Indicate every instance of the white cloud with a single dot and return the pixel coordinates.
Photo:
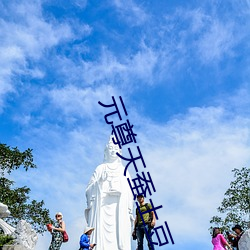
(31, 33)
(198, 33)
(105, 69)
(143, 64)
(240, 101)
(131, 12)
(123, 70)
(198, 19)
(25, 35)
(217, 42)
(80, 3)
(80, 102)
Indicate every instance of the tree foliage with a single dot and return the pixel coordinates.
(13, 158)
(235, 206)
(17, 199)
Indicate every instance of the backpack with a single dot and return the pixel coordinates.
(150, 215)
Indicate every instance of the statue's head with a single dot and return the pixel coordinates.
(4, 212)
(110, 151)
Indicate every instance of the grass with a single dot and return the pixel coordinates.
(6, 240)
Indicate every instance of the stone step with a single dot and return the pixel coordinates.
(12, 247)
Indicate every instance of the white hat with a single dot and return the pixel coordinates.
(88, 229)
(59, 213)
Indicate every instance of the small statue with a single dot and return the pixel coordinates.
(4, 212)
(23, 235)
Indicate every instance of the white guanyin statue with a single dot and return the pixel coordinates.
(244, 242)
(110, 203)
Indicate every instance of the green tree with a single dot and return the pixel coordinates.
(235, 207)
(17, 199)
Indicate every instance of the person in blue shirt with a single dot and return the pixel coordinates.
(84, 240)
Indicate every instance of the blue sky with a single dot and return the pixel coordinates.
(182, 69)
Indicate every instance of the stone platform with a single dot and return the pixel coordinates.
(12, 247)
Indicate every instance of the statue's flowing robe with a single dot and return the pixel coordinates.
(109, 208)
(244, 242)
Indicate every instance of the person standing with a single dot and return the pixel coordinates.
(85, 239)
(56, 231)
(238, 230)
(218, 240)
(139, 228)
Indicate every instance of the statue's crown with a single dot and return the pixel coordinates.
(112, 139)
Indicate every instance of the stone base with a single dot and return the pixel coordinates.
(13, 247)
